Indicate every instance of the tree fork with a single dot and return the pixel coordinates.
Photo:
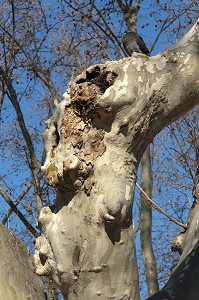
(94, 143)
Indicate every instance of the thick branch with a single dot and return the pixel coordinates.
(130, 13)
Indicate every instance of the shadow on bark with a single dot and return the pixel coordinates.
(17, 277)
(184, 282)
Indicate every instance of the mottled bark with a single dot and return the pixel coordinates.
(17, 277)
(94, 143)
(146, 226)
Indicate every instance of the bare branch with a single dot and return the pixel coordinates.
(158, 208)
(21, 196)
(46, 78)
(109, 33)
(18, 213)
(33, 160)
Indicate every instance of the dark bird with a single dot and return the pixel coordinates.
(132, 42)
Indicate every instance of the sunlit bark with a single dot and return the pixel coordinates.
(94, 143)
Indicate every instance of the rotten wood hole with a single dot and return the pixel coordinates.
(80, 133)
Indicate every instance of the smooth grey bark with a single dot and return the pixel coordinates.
(17, 277)
(146, 226)
(94, 144)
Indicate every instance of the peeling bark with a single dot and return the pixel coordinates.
(94, 143)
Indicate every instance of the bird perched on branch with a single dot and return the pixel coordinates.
(132, 42)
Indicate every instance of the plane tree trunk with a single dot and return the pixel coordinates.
(94, 143)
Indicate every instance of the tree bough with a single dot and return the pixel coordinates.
(94, 143)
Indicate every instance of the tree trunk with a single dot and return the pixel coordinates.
(94, 143)
(146, 226)
(17, 277)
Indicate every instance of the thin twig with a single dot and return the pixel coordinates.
(45, 77)
(158, 208)
(102, 47)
